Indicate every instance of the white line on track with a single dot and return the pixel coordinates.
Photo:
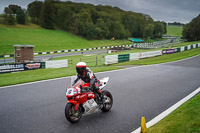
(168, 111)
(96, 73)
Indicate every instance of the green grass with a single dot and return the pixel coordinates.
(174, 31)
(186, 119)
(46, 40)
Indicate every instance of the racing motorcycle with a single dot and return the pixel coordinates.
(81, 100)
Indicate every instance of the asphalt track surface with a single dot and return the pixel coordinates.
(11, 60)
(140, 91)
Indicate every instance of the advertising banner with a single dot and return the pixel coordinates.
(123, 57)
(11, 68)
(169, 51)
(56, 63)
(150, 54)
(111, 59)
(30, 66)
(134, 56)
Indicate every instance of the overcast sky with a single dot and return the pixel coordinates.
(164, 10)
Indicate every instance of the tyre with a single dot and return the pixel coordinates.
(107, 100)
(72, 115)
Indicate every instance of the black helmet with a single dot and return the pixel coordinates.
(80, 68)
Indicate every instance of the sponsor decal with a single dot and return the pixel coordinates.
(169, 51)
(30, 66)
(90, 95)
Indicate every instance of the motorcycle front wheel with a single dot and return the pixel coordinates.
(72, 115)
(107, 100)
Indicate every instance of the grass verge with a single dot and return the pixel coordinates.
(186, 119)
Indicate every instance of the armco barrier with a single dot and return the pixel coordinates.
(150, 54)
(20, 67)
(134, 56)
(111, 59)
(56, 63)
(123, 58)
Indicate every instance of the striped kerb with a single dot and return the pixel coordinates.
(185, 48)
(178, 49)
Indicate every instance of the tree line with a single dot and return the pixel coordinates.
(13, 12)
(176, 24)
(191, 31)
(92, 22)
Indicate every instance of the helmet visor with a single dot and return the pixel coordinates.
(80, 70)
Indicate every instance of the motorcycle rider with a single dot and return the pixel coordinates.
(84, 73)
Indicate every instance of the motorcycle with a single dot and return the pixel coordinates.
(81, 100)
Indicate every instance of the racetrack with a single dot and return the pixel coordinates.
(140, 91)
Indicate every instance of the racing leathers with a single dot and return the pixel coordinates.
(88, 77)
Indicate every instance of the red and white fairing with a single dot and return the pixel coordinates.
(86, 99)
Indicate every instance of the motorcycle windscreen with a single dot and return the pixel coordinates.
(75, 83)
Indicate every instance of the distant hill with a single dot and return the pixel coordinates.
(174, 30)
(46, 40)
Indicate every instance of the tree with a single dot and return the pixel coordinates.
(148, 31)
(8, 16)
(47, 15)
(20, 16)
(15, 8)
(101, 29)
(117, 30)
(34, 10)
(191, 31)
(159, 29)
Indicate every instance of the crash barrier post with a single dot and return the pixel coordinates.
(143, 125)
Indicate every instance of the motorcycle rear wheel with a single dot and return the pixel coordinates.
(72, 115)
(107, 100)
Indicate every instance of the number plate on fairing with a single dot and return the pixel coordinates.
(71, 92)
(90, 106)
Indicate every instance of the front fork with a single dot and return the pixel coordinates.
(76, 104)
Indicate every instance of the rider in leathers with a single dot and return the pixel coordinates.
(87, 76)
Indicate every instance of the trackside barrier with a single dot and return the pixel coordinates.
(6, 68)
(134, 56)
(150, 54)
(56, 63)
(111, 59)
